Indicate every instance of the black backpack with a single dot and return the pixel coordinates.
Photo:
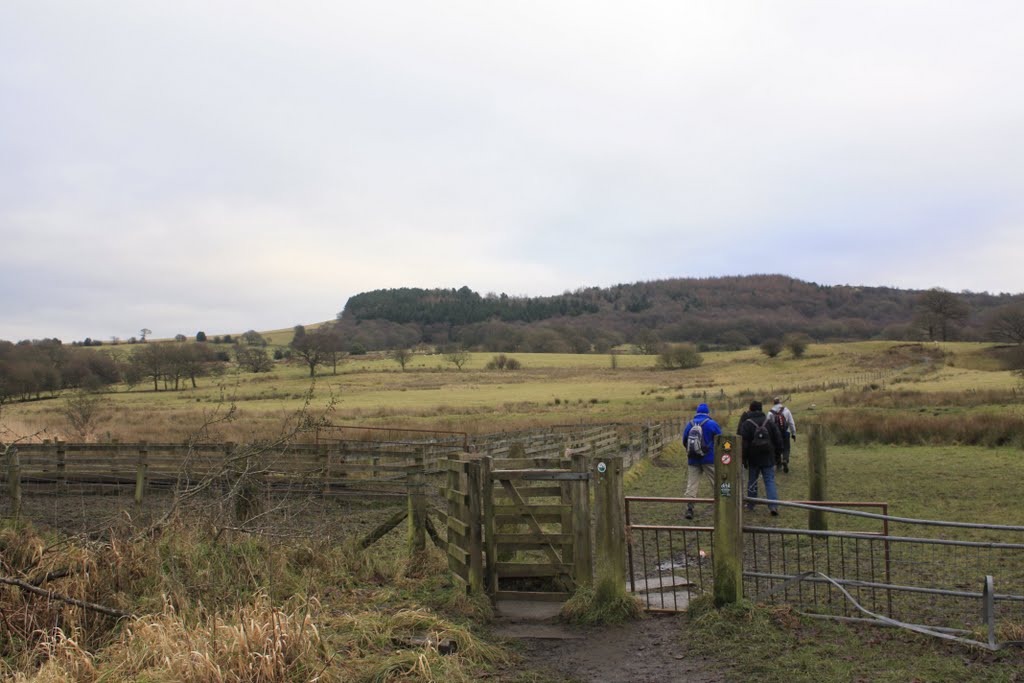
(780, 420)
(695, 446)
(762, 439)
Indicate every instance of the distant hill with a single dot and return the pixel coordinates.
(713, 312)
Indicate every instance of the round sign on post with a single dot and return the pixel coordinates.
(726, 458)
(602, 468)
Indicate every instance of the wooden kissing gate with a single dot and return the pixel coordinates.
(528, 533)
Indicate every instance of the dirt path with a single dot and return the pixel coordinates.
(650, 650)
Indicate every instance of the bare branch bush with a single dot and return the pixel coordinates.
(231, 488)
(81, 409)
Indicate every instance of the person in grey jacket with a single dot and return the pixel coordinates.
(788, 430)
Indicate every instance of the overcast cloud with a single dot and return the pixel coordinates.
(222, 166)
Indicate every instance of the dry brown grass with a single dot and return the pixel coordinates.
(929, 428)
(230, 607)
(256, 642)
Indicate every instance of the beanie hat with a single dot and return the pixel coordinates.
(703, 409)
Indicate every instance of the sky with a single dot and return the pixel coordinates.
(225, 165)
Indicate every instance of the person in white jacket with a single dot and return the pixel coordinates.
(784, 419)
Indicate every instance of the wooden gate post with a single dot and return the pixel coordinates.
(489, 524)
(583, 557)
(727, 560)
(14, 480)
(610, 529)
(817, 468)
(416, 482)
(474, 487)
(62, 475)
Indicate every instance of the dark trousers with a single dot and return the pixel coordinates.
(785, 448)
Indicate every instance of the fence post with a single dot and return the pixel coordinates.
(583, 557)
(14, 480)
(817, 468)
(474, 489)
(490, 526)
(324, 457)
(727, 560)
(610, 529)
(416, 481)
(62, 475)
(140, 474)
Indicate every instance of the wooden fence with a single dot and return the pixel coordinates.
(327, 466)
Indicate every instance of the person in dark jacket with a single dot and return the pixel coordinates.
(700, 465)
(759, 457)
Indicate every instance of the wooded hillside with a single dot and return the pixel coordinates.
(723, 311)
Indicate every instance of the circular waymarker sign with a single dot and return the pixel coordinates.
(726, 458)
(602, 468)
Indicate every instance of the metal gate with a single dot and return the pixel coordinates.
(948, 576)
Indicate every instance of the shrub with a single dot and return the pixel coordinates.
(771, 347)
(679, 356)
(797, 344)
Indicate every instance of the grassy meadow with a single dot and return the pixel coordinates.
(911, 426)
(549, 389)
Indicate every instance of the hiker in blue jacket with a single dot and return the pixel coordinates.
(700, 452)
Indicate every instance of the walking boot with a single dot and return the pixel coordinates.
(689, 512)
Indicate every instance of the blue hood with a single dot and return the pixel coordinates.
(703, 409)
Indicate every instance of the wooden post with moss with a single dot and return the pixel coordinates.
(817, 468)
(583, 551)
(474, 487)
(140, 473)
(727, 560)
(416, 481)
(14, 480)
(488, 523)
(610, 531)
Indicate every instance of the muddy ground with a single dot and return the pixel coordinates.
(650, 650)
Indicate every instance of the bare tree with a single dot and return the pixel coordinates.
(648, 342)
(81, 409)
(150, 361)
(1007, 323)
(401, 356)
(458, 358)
(938, 310)
(335, 349)
(253, 358)
(143, 333)
(309, 348)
